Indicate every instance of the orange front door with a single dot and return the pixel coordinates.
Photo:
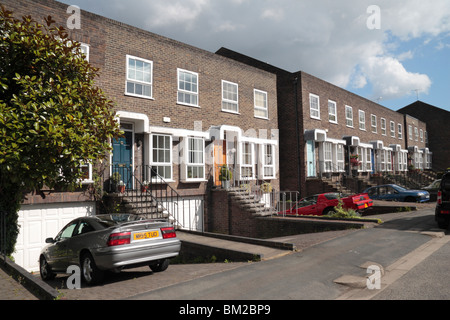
(220, 158)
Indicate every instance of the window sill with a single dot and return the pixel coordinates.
(193, 180)
(138, 96)
(188, 105)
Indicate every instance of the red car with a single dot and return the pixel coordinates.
(322, 204)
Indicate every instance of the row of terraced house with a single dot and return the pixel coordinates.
(197, 121)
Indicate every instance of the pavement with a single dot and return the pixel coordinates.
(18, 284)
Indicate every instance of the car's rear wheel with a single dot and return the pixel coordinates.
(91, 274)
(45, 270)
(160, 265)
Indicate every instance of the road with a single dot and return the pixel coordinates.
(406, 247)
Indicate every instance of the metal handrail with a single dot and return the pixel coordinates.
(153, 194)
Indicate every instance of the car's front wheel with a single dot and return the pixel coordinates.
(45, 270)
(159, 265)
(90, 272)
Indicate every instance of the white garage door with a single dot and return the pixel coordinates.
(38, 222)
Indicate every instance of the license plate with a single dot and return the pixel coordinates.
(146, 235)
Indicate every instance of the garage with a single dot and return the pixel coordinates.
(40, 221)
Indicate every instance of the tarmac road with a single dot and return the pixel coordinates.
(311, 274)
(308, 274)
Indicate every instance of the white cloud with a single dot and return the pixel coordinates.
(391, 80)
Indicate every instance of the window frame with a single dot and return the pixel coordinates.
(264, 108)
(244, 164)
(139, 82)
(383, 127)
(155, 163)
(314, 110)
(330, 114)
(266, 165)
(362, 124)
(191, 165)
(347, 119)
(400, 131)
(184, 91)
(228, 101)
(374, 128)
(392, 128)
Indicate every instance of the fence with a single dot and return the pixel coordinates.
(272, 201)
(146, 193)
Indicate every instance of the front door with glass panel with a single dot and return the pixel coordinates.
(122, 159)
(310, 158)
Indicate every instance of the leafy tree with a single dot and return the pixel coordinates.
(52, 115)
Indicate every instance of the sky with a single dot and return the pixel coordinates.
(390, 52)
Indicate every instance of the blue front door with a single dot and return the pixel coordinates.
(122, 159)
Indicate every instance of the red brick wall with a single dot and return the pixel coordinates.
(110, 41)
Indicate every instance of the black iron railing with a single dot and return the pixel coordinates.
(141, 190)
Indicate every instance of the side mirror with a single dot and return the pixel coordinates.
(49, 240)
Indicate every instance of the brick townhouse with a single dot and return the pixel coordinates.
(330, 134)
(437, 137)
(185, 112)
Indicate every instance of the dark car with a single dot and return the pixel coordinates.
(442, 213)
(433, 189)
(109, 242)
(393, 192)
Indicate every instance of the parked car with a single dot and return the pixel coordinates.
(393, 192)
(433, 189)
(109, 242)
(442, 213)
(322, 204)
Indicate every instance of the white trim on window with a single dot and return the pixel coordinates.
(139, 77)
(84, 48)
(332, 111)
(349, 116)
(261, 108)
(267, 161)
(247, 161)
(314, 106)
(392, 127)
(193, 166)
(161, 155)
(230, 97)
(373, 123)
(187, 88)
(86, 168)
(383, 127)
(400, 131)
(362, 120)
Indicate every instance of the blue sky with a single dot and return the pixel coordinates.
(404, 53)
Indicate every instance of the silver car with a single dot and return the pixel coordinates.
(109, 242)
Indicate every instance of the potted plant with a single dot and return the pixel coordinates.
(144, 186)
(121, 186)
(354, 160)
(225, 177)
(266, 187)
(115, 180)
